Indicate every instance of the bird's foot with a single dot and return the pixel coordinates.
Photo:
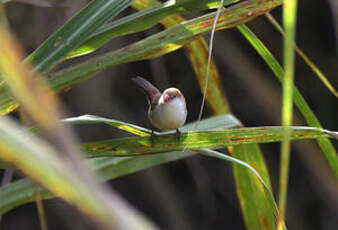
(153, 137)
(178, 135)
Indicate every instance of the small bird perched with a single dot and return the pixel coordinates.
(167, 111)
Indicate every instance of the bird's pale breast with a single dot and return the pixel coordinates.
(168, 116)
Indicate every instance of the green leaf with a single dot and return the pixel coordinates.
(300, 102)
(74, 32)
(134, 146)
(141, 21)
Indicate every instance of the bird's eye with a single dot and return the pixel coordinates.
(173, 96)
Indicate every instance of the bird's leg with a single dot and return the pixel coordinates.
(178, 135)
(152, 137)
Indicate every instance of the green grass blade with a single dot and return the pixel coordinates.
(135, 146)
(74, 32)
(45, 165)
(141, 21)
(310, 118)
(289, 19)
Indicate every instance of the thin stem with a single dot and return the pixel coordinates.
(289, 20)
(209, 61)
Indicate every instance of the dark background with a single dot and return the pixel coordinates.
(199, 193)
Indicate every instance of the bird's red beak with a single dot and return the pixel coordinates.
(166, 98)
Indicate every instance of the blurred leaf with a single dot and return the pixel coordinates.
(41, 162)
(41, 3)
(134, 146)
(310, 118)
(21, 80)
(141, 21)
(154, 46)
(22, 191)
(74, 32)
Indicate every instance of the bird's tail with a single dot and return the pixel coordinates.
(150, 91)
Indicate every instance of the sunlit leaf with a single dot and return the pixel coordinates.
(133, 146)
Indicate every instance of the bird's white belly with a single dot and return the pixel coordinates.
(168, 116)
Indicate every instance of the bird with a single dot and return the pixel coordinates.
(167, 110)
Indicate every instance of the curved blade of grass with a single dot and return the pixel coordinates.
(306, 59)
(74, 32)
(266, 187)
(135, 146)
(141, 21)
(90, 119)
(22, 191)
(154, 46)
(310, 118)
(289, 21)
(41, 162)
